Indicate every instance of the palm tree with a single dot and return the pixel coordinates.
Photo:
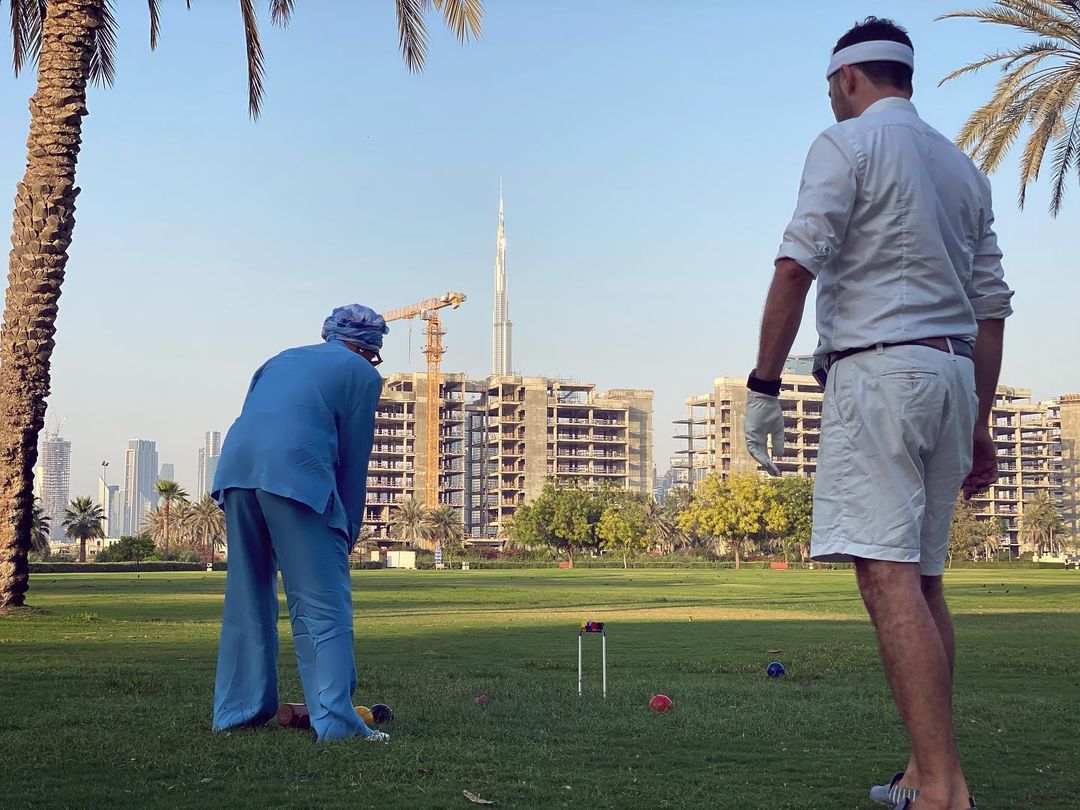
(170, 492)
(207, 521)
(444, 527)
(153, 525)
(1039, 89)
(73, 43)
(1039, 522)
(39, 532)
(410, 521)
(82, 522)
(662, 527)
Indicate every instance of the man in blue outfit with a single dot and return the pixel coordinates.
(292, 480)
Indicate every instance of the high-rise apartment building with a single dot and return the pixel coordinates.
(53, 481)
(538, 430)
(1028, 439)
(1069, 416)
(207, 464)
(501, 440)
(712, 431)
(108, 499)
(1037, 443)
(140, 475)
(397, 470)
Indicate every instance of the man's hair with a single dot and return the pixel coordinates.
(896, 74)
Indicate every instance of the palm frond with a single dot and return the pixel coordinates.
(985, 119)
(254, 57)
(463, 17)
(155, 21)
(103, 55)
(27, 17)
(281, 12)
(1066, 153)
(1031, 160)
(1041, 25)
(412, 33)
(1044, 46)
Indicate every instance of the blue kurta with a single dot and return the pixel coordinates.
(292, 481)
(306, 432)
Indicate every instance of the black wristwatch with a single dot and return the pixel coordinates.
(770, 388)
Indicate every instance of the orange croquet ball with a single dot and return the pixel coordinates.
(366, 715)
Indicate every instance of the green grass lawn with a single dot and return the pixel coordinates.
(106, 692)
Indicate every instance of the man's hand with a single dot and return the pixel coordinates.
(984, 463)
(764, 418)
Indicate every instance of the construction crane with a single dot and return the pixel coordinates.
(433, 350)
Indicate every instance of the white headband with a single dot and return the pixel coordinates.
(878, 50)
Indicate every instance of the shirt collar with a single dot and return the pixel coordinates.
(892, 103)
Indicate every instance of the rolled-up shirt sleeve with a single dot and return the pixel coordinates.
(826, 198)
(987, 291)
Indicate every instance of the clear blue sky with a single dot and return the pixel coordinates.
(650, 154)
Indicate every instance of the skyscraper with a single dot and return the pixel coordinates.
(501, 327)
(168, 472)
(109, 500)
(208, 459)
(53, 480)
(140, 475)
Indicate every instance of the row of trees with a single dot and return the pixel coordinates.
(740, 517)
(195, 528)
(744, 515)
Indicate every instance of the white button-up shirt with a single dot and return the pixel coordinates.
(895, 223)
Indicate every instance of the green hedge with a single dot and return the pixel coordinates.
(117, 568)
(427, 564)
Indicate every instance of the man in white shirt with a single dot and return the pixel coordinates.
(895, 224)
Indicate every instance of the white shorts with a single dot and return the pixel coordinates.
(895, 449)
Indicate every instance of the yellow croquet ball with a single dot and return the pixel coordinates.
(366, 715)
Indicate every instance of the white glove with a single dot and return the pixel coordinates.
(764, 418)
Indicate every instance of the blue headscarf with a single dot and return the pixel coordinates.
(356, 324)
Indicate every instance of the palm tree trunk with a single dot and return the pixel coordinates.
(165, 533)
(82, 549)
(41, 234)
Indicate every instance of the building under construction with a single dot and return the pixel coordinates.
(1037, 445)
(527, 431)
(500, 441)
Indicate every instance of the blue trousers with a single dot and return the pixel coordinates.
(266, 532)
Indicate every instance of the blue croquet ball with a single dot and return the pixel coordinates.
(382, 713)
(775, 670)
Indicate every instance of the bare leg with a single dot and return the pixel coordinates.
(920, 674)
(934, 594)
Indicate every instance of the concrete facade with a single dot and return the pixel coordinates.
(540, 430)
(501, 440)
(1027, 435)
(1069, 414)
(396, 471)
(1038, 445)
(713, 429)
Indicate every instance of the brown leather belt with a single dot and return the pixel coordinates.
(961, 348)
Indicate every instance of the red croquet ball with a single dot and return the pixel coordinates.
(481, 699)
(661, 703)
